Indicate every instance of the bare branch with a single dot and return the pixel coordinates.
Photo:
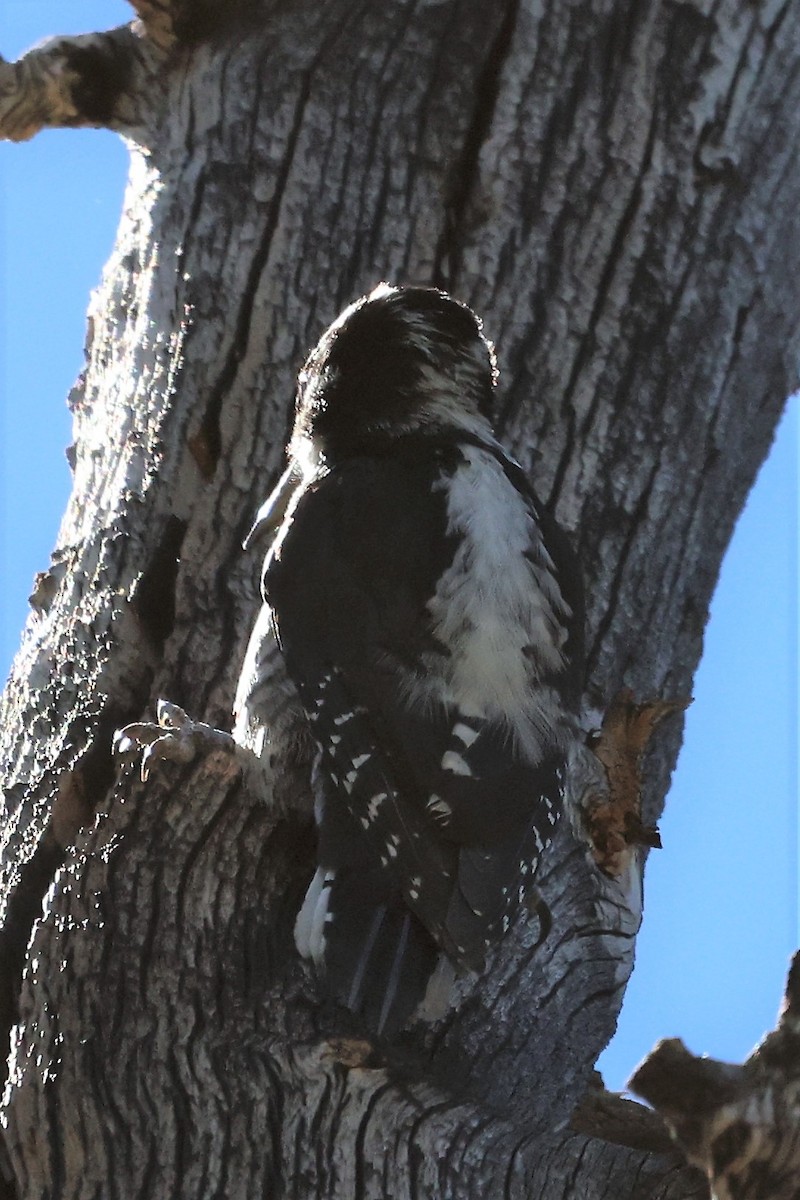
(740, 1124)
(104, 80)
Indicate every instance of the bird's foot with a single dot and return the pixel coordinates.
(175, 738)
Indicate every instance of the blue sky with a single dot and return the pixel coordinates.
(721, 916)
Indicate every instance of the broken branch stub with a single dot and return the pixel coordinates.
(613, 819)
(739, 1124)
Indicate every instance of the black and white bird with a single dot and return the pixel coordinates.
(428, 613)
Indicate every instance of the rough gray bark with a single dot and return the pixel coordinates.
(613, 186)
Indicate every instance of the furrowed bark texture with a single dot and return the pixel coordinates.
(613, 186)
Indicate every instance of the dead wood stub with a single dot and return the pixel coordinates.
(614, 820)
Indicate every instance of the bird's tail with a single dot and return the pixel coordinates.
(377, 957)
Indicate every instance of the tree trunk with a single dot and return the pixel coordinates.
(613, 187)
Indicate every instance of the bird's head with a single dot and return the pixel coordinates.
(397, 361)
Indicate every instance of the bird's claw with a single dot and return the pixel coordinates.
(174, 738)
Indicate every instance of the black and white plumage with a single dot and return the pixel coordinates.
(429, 617)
